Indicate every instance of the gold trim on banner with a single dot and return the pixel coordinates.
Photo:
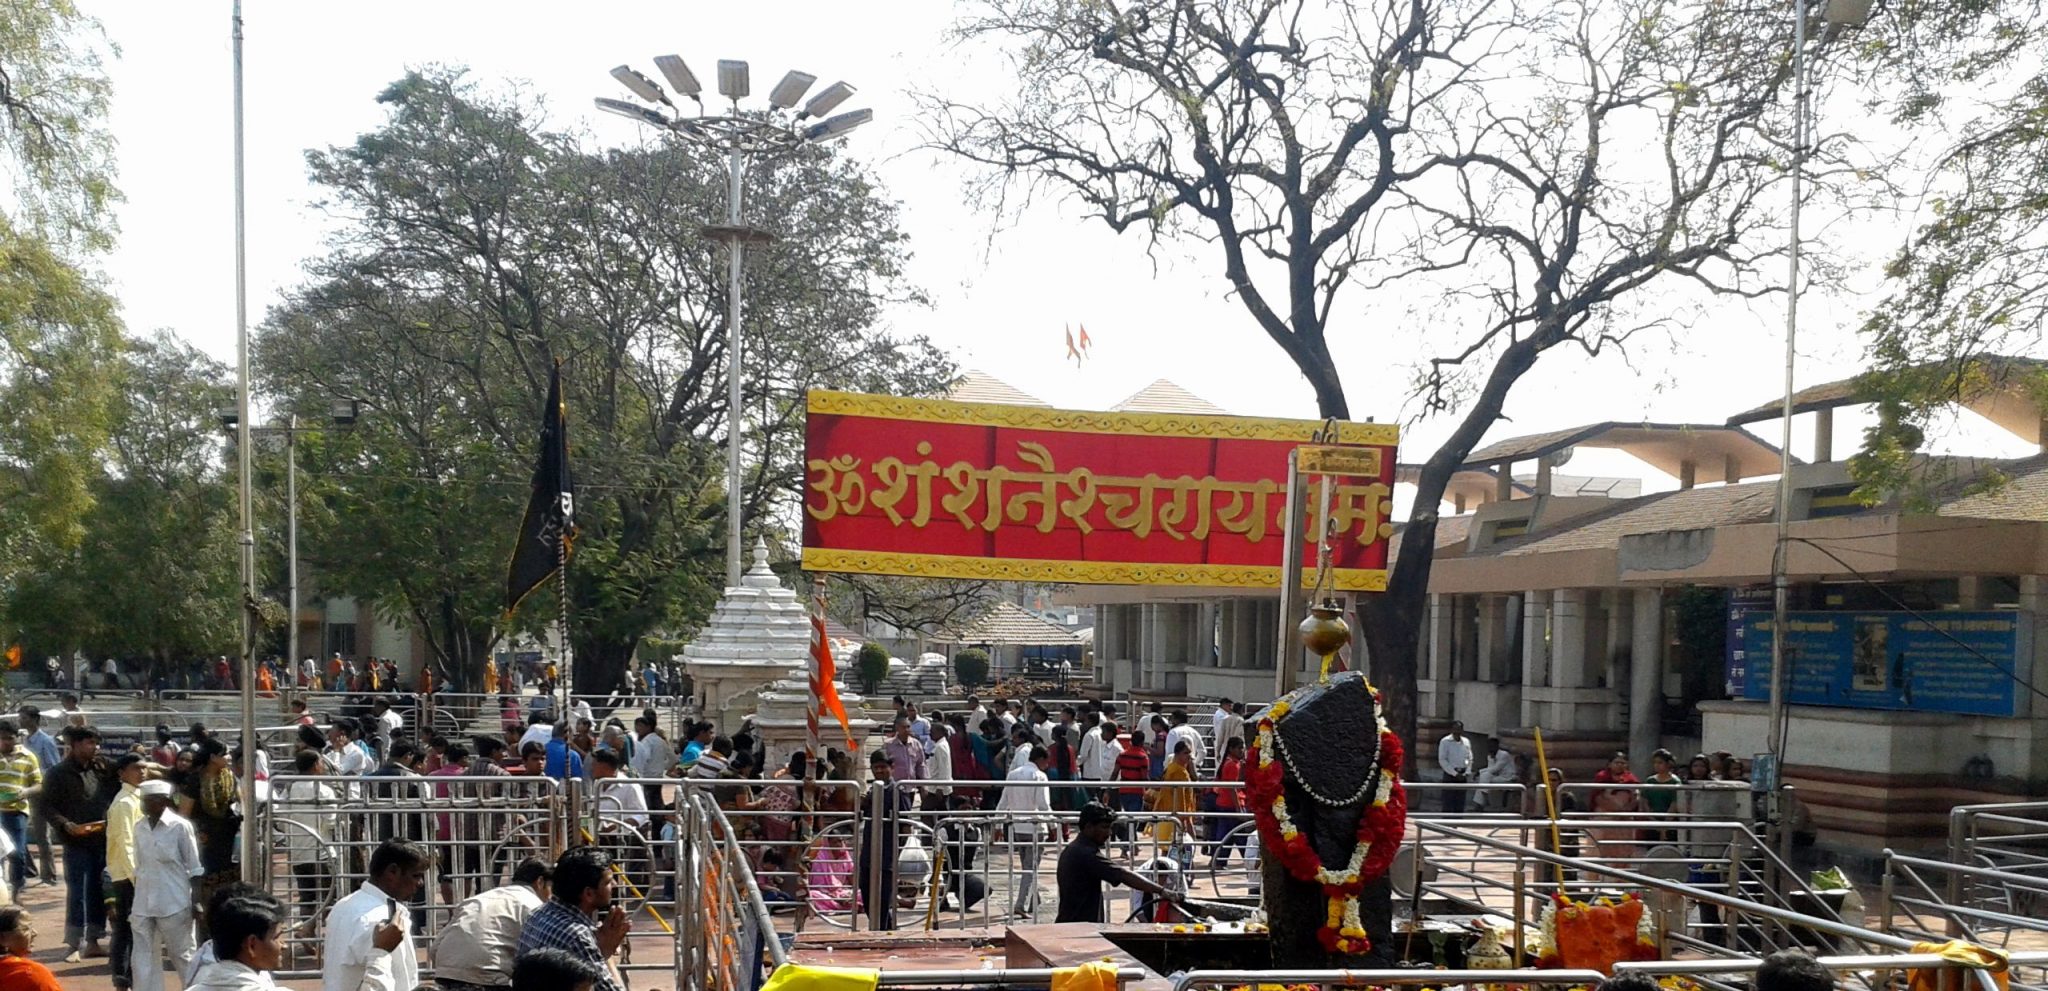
(1074, 572)
(1362, 462)
(1081, 421)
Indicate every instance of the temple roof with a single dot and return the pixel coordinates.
(1165, 397)
(976, 386)
(1010, 623)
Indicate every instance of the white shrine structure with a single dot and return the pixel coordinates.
(752, 658)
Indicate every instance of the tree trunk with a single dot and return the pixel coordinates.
(1393, 644)
(600, 663)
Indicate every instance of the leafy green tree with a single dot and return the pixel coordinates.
(477, 247)
(1969, 288)
(1545, 176)
(153, 576)
(58, 331)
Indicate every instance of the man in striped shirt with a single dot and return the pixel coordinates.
(21, 776)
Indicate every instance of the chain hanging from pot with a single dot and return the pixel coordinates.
(1324, 632)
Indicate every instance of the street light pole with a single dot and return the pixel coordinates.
(739, 134)
(291, 529)
(734, 272)
(252, 849)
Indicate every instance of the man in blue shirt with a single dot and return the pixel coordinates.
(563, 761)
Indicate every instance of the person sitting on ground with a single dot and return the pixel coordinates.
(555, 970)
(1792, 970)
(250, 929)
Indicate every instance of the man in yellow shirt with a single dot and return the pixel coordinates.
(121, 819)
(21, 777)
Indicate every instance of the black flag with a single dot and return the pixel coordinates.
(549, 525)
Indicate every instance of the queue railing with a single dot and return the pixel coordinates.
(322, 831)
(1864, 969)
(723, 941)
(1995, 908)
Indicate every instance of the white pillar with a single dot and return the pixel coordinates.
(1568, 638)
(1616, 647)
(1646, 674)
(1535, 638)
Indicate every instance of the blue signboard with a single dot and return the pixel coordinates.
(1741, 603)
(1946, 662)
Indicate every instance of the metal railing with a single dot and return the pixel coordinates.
(1704, 972)
(1993, 908)
(721, 941)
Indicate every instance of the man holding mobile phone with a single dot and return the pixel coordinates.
(369, 933)
(76, 796)
(579, 917)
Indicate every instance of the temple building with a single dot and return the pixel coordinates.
(1617, 620)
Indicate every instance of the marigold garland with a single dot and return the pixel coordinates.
(1379, 828)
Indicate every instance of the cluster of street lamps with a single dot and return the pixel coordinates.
(784, 127)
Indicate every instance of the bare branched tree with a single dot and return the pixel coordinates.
(1533, 167)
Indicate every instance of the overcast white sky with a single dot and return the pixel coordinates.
(313, 71)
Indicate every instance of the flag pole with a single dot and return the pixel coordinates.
(812, 703)
(562, 625)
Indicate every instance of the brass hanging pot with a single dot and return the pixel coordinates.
(1324, 632)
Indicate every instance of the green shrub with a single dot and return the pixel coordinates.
(970, 667)
(873, 666)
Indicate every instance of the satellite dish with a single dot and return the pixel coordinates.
(1559, 459)
(1401, 874)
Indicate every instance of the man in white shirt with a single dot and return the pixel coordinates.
(388, 723)
(1096, 760)
(166, 861)
(1009, 715)
(580, 709)
(477, 949)
(1029, 815)
(1232, 725)
(344, 753)
(617, 801)
(1182, 731)
(1454, 756)
(1500, 770)
(309, 835)
(938, 767)
(538, 730)
(252, 945)
(369, 933)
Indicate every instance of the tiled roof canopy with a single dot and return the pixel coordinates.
(1009, 623)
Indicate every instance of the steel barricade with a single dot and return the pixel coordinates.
(720, 942)
(1698, 970)
(324, 828)
(1997, 905)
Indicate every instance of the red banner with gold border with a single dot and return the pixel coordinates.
(938, 489)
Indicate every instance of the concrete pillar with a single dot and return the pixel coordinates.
(1492, 634)
(1535, 638)
(1543, 475)
(1105, 633)
(1688, 474)
(1824, 436)
(1208, 651)
(1646, 674)
(1504, 482)
(1458, 503)
(1617, 649)
(1970, 592)
(1568, 638)
(1731, 469)
(1440, 633)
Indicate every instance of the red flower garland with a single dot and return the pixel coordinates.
(1381, 825)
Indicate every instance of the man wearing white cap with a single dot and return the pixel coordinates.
(166, 861)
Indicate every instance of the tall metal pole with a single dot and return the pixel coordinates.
(733, 272)
(1780, 580)
(252, 851)
(291, 527)
(1288, 652)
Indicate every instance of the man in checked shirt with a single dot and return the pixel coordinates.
(580, 918)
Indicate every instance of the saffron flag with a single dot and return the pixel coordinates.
(1071, 351)
(547, 532)
(1085, 342)
(14, 657)
(825, 677)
